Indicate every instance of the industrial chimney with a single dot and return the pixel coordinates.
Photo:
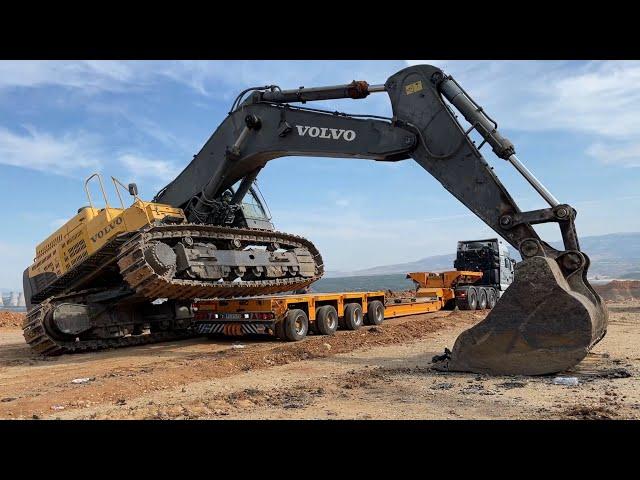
(13, 299)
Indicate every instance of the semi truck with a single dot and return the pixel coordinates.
(491, 257)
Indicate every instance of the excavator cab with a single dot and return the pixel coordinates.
(255, 211)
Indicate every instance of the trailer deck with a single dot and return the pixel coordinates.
(263, 314)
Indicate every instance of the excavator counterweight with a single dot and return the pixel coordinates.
(545, 322)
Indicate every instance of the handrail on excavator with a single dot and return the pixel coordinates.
(133, 192)
(104, 194)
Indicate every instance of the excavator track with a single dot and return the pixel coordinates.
(141, 276)
(148, 285)
(42, 342)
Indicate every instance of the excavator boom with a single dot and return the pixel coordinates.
(550, 316)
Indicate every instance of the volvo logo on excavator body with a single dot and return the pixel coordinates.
(329, 133)
(112, 226)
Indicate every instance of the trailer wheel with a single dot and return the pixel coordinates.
(470, 302)
(353, 317)
(492, 299)
(482, 299)
(295, 325)
(326, 320)
(375, 312)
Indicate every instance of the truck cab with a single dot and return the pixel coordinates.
(489, 256)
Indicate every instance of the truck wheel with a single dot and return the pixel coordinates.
(326, 320)
(492, 299)
(482, 299)
(295, 325)
(352, 316)
(375, 312)
(470, 302)
(449, 304)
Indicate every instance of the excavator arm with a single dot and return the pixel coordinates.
(550, 316)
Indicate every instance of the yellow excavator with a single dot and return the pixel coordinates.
(122, 276)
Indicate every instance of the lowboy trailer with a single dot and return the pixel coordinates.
(291, 317)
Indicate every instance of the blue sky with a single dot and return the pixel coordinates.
(574, 124)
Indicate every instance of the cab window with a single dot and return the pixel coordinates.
(252, 208)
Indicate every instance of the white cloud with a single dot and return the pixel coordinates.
(204, 77)
(219, 80)
(626, 155)
(599, 98)
(144, 167)
(63, 155)
(352, 238)
(76, 155)
(140, 123)
(90, 76)
(602, 98)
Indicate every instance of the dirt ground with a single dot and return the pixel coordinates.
(374, 373)
(10, 319)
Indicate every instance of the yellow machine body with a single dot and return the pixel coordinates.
(90, 230)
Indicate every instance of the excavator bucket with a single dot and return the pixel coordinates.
(544, 323)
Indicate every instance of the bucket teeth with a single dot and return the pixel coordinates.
(540, 326)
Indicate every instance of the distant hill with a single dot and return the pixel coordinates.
(616, 255)
(436, 262)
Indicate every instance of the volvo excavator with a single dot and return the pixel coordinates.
(122, 276)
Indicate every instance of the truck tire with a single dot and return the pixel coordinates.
(353, 317)
(450, 304)
(492, 299)
(482, 299)
(326, 320)
(375, 313)
(295, 325)
(470, 302)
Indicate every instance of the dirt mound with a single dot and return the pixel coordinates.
(400, 294)
(11, 319)
(617, 290)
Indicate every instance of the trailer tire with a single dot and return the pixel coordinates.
(470, 302)
(326, 320)
(353, 317)
(375, 313)
(492, 299)
(295, 325)
(482, 299)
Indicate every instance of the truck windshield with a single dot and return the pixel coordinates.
(474, 246)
